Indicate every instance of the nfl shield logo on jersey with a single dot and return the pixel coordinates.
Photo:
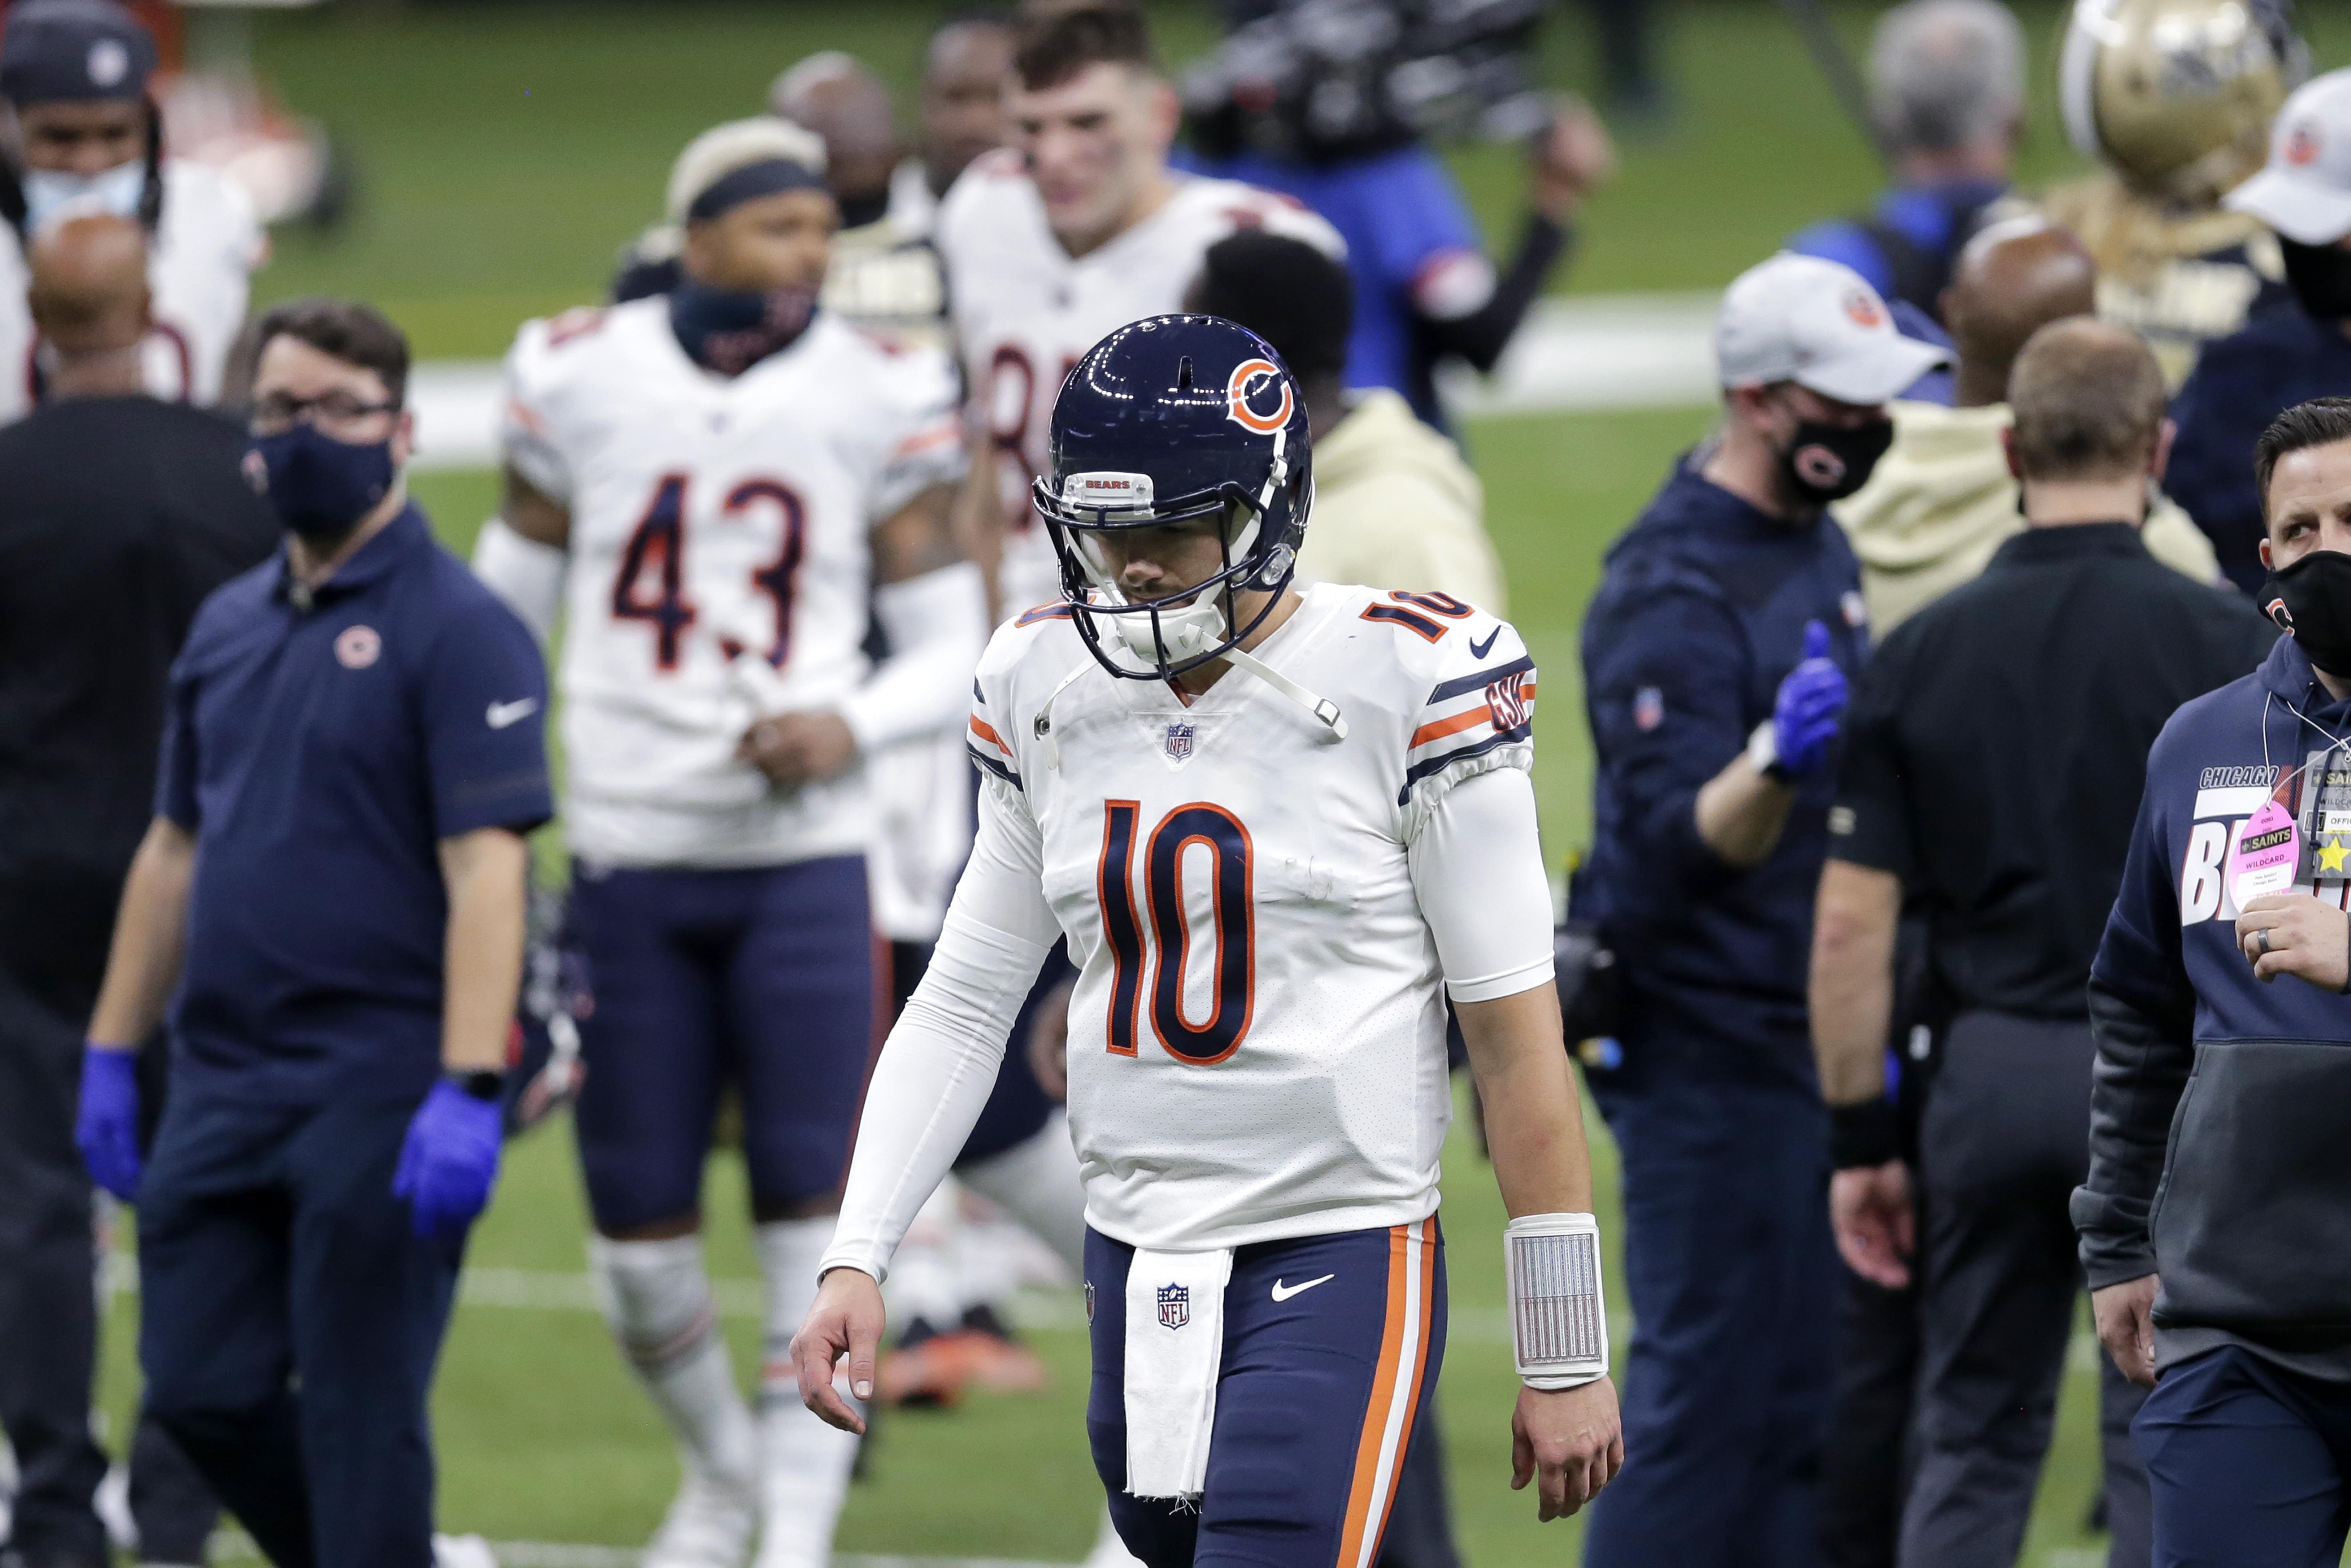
(1175, 1306)
(1179, 741)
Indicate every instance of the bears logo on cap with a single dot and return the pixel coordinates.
(1863, 308)
(1247, 389)
(2301, 145)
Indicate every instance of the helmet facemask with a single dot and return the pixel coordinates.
(1159, 638)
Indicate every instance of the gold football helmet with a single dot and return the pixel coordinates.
(2176, 96)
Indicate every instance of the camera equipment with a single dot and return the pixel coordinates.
(1323, 81)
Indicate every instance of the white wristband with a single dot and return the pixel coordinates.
(1558, 1321)
(1764, 746)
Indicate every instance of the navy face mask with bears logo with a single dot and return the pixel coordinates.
(318, 487)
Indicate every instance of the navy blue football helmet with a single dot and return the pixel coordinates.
(1168, 420)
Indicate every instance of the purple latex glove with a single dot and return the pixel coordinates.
(1810, 705)
(105, 1129)
(449, 1161)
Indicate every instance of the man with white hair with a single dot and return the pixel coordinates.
(734, 484)
(1947, 103)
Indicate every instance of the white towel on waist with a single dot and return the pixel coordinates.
(1174, 1348)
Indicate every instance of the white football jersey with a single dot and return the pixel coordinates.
(1256, 1039)
(720, 565)
(1026, 311)
(198, 270)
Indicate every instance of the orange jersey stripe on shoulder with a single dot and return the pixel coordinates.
(1469, 718)
(988, 734)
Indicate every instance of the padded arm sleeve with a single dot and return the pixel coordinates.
(937, 625)
(1478, 868)
(939, 1065)
(525, 573)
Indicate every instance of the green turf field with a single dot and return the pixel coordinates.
(504, 154)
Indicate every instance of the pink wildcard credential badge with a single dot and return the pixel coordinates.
(2267, 851)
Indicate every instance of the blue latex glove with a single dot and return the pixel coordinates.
(449, 1160)
(105, 1129)
(1811, 704)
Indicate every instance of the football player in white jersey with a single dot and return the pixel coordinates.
(1075, 227)
(1270, 826)
(735, 475)
(75, 75)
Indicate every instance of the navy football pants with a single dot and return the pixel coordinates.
(762, 978)
(1733, 1277)
(2248, 1463)
(288, 1322)
(1317, 1398)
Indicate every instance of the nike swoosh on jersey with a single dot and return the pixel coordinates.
(1479, 650)
(1283, 1292)
(501, 714)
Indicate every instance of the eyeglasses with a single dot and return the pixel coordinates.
(333, 411)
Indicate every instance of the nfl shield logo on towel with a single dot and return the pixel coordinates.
(1179, 741)
(1175, 1306)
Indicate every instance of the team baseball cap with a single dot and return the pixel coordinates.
(74, 50)
(2304, 190)
(1819, 324)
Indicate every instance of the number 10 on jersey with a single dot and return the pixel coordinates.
(1195, 839)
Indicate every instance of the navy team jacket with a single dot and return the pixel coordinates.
(2216, 1149)
(1700, 616)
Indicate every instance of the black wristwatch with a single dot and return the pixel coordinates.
(481, 1082)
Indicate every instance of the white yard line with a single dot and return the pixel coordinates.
(236, 1546)
(1580, 352)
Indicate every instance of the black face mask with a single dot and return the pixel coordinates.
(1827, 463)
(729, 330)
(2311, 599)
(2320, 277)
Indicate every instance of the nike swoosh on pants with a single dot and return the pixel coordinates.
(1283, 1292)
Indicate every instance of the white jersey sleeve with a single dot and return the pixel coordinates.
(923, 445)
(207, 249)
(1478, 715)
(1469, 803)
(528, 431)
(1477, 868)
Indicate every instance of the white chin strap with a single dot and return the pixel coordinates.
(1193, 630)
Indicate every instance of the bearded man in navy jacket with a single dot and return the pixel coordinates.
(2216, 1222)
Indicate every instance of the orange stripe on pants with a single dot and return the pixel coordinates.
(1404, 1360)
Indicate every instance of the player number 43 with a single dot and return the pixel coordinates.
(651, 583)
(1149, 961)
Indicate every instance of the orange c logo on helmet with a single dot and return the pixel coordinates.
(1248, 382)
